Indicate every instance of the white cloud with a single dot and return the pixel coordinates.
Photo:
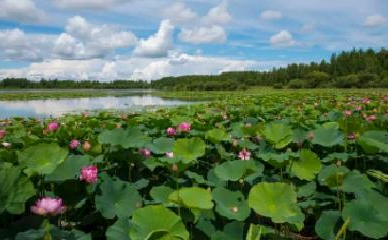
(179, 14)
(374, 21)
(175, 64)
(213, 34)
(200, 29)
(88, 4)
(15, 44)
(282, 39)
(307, 28)
(83, 40)
(157, 45)
(271, 15)
(23, 11)
(218, 15)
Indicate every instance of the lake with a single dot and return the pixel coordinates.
(57, 107)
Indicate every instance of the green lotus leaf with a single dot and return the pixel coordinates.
(278, 134)
(326, 223)
(231, 204)
(332, 176)
(327, 136)
(189, 149)
(131, 137)
(374, 141)
(307, 166)
(193, 197)
(42, 158)
(232, 231)
(162, 145)
(356, 181)
(157, 223)
(117, 198)
(15, 190)
(69, 169)
(160, 194)
(365, 218)
(217, 135)
(275, 200)
(119, 230)
(236, 170)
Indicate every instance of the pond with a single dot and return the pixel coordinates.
(58, 107)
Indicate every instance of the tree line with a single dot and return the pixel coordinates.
(348, 69)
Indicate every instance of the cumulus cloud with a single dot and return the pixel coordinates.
(23, 11)
(200, 29)
(213, 34)
(175, 64)
(88, 4)
(157, 45)
(282, 39)
(15, 44)
(374, 21)
(179, 14)
(271, 15)
(218, 15)
(84, 40)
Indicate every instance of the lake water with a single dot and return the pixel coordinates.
(58, 107)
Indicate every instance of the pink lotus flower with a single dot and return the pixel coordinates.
(48, 206)
(385, 98)
(171, 131)
(351, 136)
(145, 152)
(358, 108)
(2, 133)
(348, 113)
(52, 126)
(89, 174)
(184, 127)
(366, 101)
(371, 118)
(244, 155)
(169, 154)
(74, 144)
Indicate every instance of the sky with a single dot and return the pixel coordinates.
(149, 39)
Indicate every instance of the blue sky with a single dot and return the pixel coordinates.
(149, 39)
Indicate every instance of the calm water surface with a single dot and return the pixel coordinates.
(58, 107)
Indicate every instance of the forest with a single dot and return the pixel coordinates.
(348, 69)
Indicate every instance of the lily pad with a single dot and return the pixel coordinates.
(307, 166)
(157, 223)
(231, 204)
(193, 197)
(189, 149)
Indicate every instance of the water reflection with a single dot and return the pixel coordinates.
(57, 107)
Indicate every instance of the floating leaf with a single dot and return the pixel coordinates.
(119, 230)
(275, 200)
(189, 149)
(231, 204)
(131, 137)
(15, 189)
(42, 158)
(217, 135)
(69, 169)
(327, 136)
(307, 166)
(193, 197)
(278, 134)
(157, 223)
(325, 225)
(235, 170)
(162, 145)
(117, 198)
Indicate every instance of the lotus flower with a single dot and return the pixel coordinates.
(74, 144)
(169, 154)
(48, 206)
(89, 174)
(348, 113)
(2, 133)
(244, 155)
(371, 118)
(145, 152)
(86, 146)
(184, 127)
(52, 126)
(171, 131)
